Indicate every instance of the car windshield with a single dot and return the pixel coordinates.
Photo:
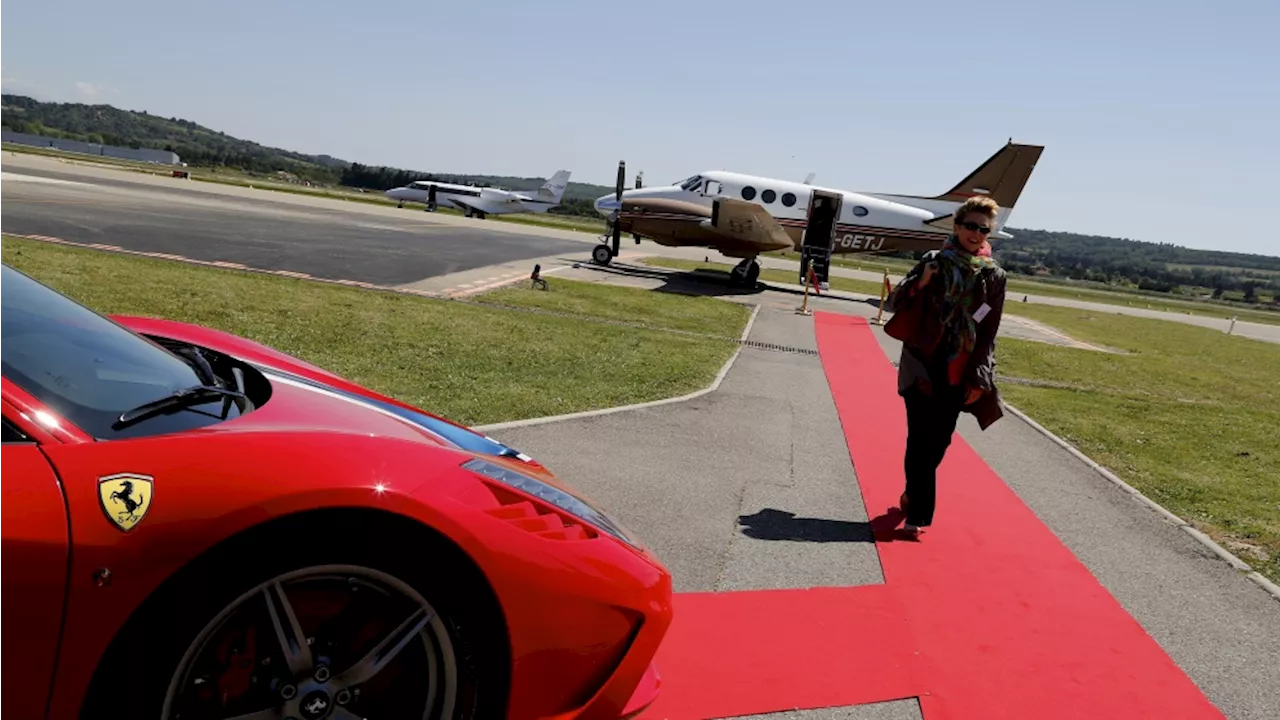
(80, 364)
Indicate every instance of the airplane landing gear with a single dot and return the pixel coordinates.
(745, 273)
(602, 255)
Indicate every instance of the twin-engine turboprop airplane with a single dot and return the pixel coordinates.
(743, 216)
(479, 202)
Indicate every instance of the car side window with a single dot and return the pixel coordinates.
(12, 434)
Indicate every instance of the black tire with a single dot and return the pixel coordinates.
(147, 651)
(753, 273)
(602, 254)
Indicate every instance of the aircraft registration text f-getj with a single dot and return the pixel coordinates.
(743, 216)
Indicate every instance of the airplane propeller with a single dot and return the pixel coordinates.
(607, 250)
(617, 228)
(639, 184)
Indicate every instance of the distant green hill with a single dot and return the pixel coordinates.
(1160, 267)
(202, 147)
(1157, 267)
(196, 145)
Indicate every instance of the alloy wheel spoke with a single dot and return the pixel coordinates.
(289, 633)
(384, 652)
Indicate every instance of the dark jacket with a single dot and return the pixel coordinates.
(980, 370)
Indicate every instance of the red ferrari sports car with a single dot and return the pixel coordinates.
(198, 526)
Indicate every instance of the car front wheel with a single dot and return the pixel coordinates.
(358, 636)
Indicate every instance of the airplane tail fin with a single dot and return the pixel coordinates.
(554, 188)
(1002, 177)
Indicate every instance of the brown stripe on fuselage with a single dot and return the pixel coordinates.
(674, 229)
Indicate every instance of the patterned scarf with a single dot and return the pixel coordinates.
(960, 270)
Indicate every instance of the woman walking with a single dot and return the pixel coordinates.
(951, 303)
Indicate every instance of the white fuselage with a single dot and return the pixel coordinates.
(466, 197)
(863, 222)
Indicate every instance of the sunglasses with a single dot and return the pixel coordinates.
(975, 227)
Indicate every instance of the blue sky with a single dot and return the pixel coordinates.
(1159, 119)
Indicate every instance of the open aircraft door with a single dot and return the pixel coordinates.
(820, 236)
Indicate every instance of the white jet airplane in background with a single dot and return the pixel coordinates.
(479, 202)
(744, 216)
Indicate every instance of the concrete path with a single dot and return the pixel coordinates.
(745, 488)
(751, 487)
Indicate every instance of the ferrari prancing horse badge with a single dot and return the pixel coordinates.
(125, 498)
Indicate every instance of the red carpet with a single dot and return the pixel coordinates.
(1013, 625)
(987, 616)
(740, 653)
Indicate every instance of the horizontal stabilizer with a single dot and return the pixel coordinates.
(942, 222)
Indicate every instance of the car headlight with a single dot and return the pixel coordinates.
(547, 493)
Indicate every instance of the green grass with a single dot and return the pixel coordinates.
(1186, 415)
(866, 287)
(471, 363)
(704, 315)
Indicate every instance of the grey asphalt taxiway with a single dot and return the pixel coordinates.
(380, 245)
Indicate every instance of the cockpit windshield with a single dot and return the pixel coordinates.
(692, 183)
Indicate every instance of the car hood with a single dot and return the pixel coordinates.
(307, 397)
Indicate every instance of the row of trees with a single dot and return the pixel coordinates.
(196, 145)
(1161, 267)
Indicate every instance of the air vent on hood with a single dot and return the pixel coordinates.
(542, 521)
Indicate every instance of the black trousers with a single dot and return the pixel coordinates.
(931, 420)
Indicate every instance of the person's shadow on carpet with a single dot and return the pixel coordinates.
(884, 528)
(770, 524)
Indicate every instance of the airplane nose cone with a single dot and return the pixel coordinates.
(607, 204)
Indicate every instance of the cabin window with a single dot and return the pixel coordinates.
(713, 188)
(859, 210)
(768, 196)
(788, 199)
(748, 193)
